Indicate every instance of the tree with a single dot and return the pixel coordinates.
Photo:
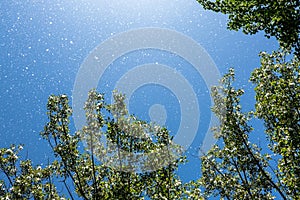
(87, 172)
(280, 19)
(24, 181)
(278, 104)
(236, 168)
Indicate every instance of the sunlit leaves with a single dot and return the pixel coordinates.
(278, 104)
(90, 175)
(280, 19)
(22, 180)
(235, 169)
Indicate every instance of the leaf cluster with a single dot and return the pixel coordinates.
(104, 169)
(236, 168)
(280, 19)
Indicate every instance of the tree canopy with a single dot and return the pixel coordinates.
(234, 168)
(280, 19)
(86, 173)
(237, 168)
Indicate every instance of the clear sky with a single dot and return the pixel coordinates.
(44, 43)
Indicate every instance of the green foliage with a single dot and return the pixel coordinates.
(236, 169)
(278, 104)
(277, 18)
(99, 172)
(139, 160)
(23, 180)
(114, 177)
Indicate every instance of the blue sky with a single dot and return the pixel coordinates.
(44, 43)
